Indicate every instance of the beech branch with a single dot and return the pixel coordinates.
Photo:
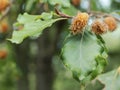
(96, 14)
(62, 14)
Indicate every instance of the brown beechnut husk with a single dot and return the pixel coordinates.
(99, 27)
(111, 22)
(4, 4)
(79, 22)
(76, 2)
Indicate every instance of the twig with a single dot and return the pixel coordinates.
(82, 87)
(101, 14)
(96, 14)
(62, 14)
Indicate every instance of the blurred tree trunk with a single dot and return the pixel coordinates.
(22, 50)
(22, 57)
(47, 48)
(44, 71)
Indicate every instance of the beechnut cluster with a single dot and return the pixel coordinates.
(98, 26)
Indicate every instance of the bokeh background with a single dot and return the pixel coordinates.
(35, 64)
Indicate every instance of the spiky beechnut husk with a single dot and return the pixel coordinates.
(111, 22)
(79, 22)
(76, 2)
(4, 4)
(99, 27)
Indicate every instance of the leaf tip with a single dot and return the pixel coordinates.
(14, 41)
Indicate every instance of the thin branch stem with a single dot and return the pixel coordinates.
(62, 14)
(96, 14)
(82, 87)
(101, 14)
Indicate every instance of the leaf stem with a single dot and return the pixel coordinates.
(82, 87)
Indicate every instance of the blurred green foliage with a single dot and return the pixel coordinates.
(9, 71)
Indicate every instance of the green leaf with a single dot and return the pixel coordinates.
(70, 11)
(29, 4)
(63, 3)
(112, 40)
(94, 85)
(111, 80)
(33, 25)
(47, 16)
(84, 55)
(95, 6)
